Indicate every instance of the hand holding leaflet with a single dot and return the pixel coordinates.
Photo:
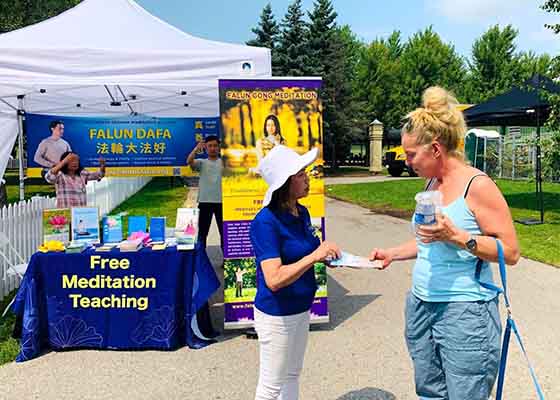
(353, 261)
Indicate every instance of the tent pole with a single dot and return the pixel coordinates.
(540, 200)
(20, 113)
(475, 150)
(500, 155)
(485, 141)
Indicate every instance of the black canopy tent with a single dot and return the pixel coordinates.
(524, 105)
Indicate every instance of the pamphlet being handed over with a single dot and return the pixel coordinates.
(352, 261)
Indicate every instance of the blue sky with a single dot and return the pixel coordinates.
(459, 22)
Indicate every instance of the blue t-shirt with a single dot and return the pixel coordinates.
(290, 238)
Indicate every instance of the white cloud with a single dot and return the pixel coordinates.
(524, 15)
(467, 11)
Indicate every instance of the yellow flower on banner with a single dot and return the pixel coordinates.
(51, 245)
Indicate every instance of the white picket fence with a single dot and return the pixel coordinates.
(22, 222)
(108, 193)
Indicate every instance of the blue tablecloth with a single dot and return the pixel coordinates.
(63, 307)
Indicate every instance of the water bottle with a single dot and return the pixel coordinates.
(428, 204)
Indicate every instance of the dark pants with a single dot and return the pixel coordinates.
(238, 289)
(207, 210)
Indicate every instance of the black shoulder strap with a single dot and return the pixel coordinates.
(429, 184)
(469, 184)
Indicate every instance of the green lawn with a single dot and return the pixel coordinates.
(159, 198)
(248, 295)
(33, 187)
(9, 347)
(350, 171)
(538, 242)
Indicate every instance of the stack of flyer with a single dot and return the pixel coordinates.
(131, 245)
(112, 229)
(76, 247)
(106, 247)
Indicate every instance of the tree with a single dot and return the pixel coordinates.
(394, 45)
(329, 53)
(552, 6)
(337, 100)
(356, 109)
(551, 145)
(529, 64)
(377, 76)
(293, 54)
(425, 61)
(16, 14)
(495, 65)
(267, 34)
(321, 27)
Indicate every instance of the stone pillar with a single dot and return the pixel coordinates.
(375, 147)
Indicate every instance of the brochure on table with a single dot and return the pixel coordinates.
(112, 229)
(137, 223)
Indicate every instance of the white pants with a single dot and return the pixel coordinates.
(282, 342)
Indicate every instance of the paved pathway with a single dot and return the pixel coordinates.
(363, 179)
(361, 354)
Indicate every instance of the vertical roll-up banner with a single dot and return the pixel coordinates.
(256, 115)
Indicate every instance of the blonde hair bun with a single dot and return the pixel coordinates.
(439, 119)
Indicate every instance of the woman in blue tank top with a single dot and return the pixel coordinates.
(453, 325)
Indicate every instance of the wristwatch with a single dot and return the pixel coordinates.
(471, 244)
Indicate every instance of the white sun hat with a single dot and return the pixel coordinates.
(279, 164)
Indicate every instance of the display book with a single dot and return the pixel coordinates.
(138, 236)
(56, 225)
(186, 228)
(85, 225)
(76, 228)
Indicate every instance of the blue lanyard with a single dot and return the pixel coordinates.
(510, 325)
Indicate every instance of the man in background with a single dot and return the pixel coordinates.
(210, 186)
(209, 204)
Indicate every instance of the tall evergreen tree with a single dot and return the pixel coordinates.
(337, 99)
(354, 53)
(15, 14)
(328, 54)
(292, 49)
(322, 23)
(394, 44)
(267, 34)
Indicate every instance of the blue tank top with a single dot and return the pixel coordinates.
(444, 272)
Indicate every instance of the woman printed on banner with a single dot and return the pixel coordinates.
(272, 137)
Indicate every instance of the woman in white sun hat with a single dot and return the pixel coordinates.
(286, 249)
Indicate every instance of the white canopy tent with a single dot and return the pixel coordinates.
(113, 58)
